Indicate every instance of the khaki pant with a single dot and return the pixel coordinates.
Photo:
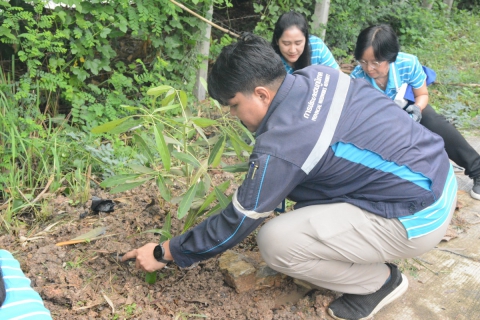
(340, 246)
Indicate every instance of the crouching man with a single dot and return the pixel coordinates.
(370, 185)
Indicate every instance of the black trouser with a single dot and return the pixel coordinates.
(458, 149)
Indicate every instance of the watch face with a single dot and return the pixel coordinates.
(158, 252)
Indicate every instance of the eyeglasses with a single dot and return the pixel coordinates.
(373, 64)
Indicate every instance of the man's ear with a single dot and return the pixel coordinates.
(265, 94)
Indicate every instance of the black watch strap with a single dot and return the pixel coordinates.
(159, 254)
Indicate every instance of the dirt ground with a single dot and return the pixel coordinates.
(84, 281)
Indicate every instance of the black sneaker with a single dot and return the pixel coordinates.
(475, 192)
(358, 307)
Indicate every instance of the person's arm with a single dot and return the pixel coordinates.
(421, 96)
(260, 193)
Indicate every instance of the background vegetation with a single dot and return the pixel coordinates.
(98, 93)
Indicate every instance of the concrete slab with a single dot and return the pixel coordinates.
(444, 283)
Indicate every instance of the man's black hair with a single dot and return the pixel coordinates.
(288, 20)
(383, 40)
(242, 66)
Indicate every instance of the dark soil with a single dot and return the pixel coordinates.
(84, 281)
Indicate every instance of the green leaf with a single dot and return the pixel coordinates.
(204, 122)
(126, 126)
(187, 201)
(217, 152)
(170, 107)
(217, 208)
(183, 98)
(239, 167)
(162, 187)
(212, 196)
(165, 235)
(128, 186)
(204, 83)
(141, 169)
(169, 98)
(222, 199)
(142, 145)
(158, 90)
(187, 158)
(107, 127)
(162, 147)
(118, 179)
(105, 32)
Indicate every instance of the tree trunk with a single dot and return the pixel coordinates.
(427, 4)
(204, 49)
(320, 16)
(449, 3)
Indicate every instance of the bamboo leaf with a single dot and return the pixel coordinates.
(236, 148)
(118, 179)
(217, 208)
(212, 196)
(187, 158)
(204, 83)
(168, 98)
(217, 151)
(158, 90)
(126, 126)
(106, 127)
(204, 122)
(187, 201)
(162, 187)
(170, 107)
(165, 235)
(141, 169)
(143, 147)
(183, 98)
(128, 186)
(239, 167)
(222, 199)
(162, 148)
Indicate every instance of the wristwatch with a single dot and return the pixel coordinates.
(159, 254)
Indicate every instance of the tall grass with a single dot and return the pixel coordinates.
(36, 158)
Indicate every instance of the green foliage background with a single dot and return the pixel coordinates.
(67, 70)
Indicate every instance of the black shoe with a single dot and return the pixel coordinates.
(358, 307)
(475, 192)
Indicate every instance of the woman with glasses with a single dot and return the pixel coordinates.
(290, 38)
(391, 71)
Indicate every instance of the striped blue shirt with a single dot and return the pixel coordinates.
(21, 302)
(433, 217)
(320, 54)
(405, 69)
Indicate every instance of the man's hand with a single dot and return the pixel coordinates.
(415, 112)
(144, 258)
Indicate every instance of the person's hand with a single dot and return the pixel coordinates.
(144, 258)
(415, 112)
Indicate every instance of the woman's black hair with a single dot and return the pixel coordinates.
(382, 39)
(287, 20)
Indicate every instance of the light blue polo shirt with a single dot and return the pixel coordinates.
(406, 69)
(320, 54)
(21, 302)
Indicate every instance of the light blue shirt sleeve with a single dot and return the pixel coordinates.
(21, 302)
(320, 54)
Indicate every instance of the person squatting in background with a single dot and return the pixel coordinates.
(387, 69)
(290, 38)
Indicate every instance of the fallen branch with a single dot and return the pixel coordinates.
(205, 20)
(50, 180)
